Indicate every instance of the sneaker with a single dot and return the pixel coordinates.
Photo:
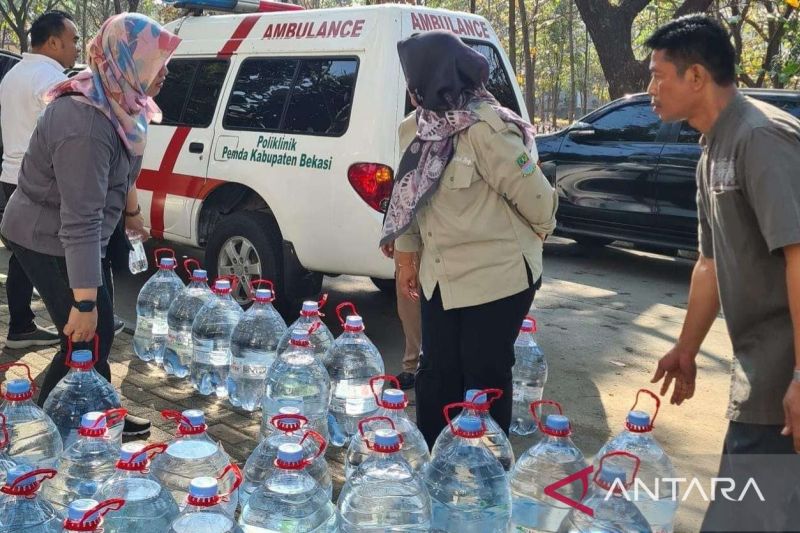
(135, 425)
(119, 325)
(38, 336)
(407, 380)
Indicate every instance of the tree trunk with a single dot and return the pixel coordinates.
(512, 33)
(16, 16)
(572, 88)
(527, 59)
(472, 6)
(585, 92)
(610, 27)
(557, 81)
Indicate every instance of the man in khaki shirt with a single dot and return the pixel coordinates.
(467, 219)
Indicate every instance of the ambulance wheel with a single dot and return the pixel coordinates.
(246, 244)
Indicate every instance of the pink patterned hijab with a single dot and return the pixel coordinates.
(125, 58)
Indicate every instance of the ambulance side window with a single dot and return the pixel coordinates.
(259, 94)
(322, 97)
(191, 90)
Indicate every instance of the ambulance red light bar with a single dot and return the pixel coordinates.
(235, 6)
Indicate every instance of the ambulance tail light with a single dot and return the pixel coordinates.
(235, 6)
(373, 183)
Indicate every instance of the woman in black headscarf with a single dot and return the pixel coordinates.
(468, 216)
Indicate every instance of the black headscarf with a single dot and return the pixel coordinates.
(440, 69)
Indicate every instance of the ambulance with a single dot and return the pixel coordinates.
(278, 145)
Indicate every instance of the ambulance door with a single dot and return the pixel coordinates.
(174, 170)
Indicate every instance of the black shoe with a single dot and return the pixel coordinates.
(407, 380)
(38, 336)
(119, 325)
(135, 425)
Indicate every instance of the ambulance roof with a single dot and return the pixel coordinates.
(318, 30)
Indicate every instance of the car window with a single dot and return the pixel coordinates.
(190, 92)
(499, 84)
(322, 97)
(312, 96)
(631, 123)
(688, 134)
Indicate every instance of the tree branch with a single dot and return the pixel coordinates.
(692, 6)
(757, 29)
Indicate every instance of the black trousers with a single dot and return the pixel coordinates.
(19, 289)
(467, 348)
(761, 453)
(49, 275)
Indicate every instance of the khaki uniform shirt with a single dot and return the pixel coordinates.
(478, 230)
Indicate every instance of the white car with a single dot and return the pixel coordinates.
(279, 139)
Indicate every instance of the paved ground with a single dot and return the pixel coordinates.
(605, 317)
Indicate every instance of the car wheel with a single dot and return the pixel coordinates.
(386, 286)
(591, 241)
(247, 245)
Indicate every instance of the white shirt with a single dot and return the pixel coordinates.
(22, 94)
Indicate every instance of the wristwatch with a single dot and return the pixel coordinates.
(84, 306)
(134, 213)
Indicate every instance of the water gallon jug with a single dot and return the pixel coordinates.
(211, 340)
(385, 493)
(22, 510)
(180, 316)
(392, 414)
(193, 453)
(204, 511)
(637, 438)
(86, 515)
(469, 488)
(351, 362)
(495, 439)
(321, 337)
(529, 376)
(86, 463)
(611, 511)
(298, 378)
(152, 306)
(6, 462)
(290, 499)
(288, 427)
(254, 343)
(149, 507)
(81, 391)
(32, 436)
(553, 458)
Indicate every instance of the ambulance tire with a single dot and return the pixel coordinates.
(260, 230)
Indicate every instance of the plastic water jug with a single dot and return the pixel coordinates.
(87, 515)
(211, 341)
(6, 462)
(637, 439)
(87, 463)
(152, 305)
(137, 258)
(180, 317)
(495, 439)
(290, 499)
(391, 414)
(612, 512)
(32, 436)
(22, 510)
(385, 493)
(321, 337)
(351, 362)
(81, 391)
(149, 507)
(192, 454)
(298, 378)
(469, 488)
(552, 459)
(288, 428)
(203, 511)
(254, 343)
(529, 376)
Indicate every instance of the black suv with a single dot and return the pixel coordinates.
(622, 174)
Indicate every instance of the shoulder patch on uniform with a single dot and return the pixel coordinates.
(525, 163)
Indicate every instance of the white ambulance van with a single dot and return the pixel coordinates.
(278, 144)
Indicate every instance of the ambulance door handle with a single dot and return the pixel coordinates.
(196, 148)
